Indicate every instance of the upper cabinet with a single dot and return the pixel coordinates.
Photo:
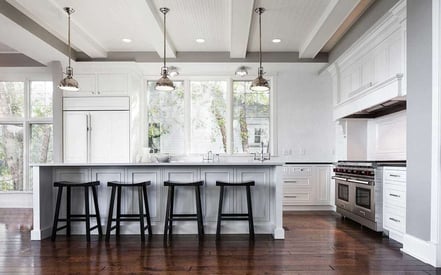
(373, 69)
(101, 84)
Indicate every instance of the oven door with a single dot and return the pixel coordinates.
(343, 194)
(364, 200)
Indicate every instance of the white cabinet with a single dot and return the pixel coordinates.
(394, 202)
(98, 136)
(100, 84)
(307, 187)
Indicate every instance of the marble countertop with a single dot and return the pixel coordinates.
(173, 163)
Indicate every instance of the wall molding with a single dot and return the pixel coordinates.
(420, 249)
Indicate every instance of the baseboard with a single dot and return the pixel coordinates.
(422, 250)
(37, 235)
(308, 208)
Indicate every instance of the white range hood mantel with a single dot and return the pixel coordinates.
(390, 89)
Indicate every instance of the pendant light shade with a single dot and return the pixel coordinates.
(260, 84)
(164, 83)
(69, 83)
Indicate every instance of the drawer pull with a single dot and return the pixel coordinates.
(394, 175)
(394, 220)
(291, 196)
(395, 195)
(362, 212)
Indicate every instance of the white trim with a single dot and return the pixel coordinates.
(420, 249)
(16, 199)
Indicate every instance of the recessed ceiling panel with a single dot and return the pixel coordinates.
(289, 20)
(192, 19)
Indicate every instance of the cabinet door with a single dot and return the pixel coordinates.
(109, 136)
(323, 191)
(75, 135)
(112, 84)
(86, 83)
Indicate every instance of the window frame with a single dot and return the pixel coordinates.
(26, 122)
(229, 112)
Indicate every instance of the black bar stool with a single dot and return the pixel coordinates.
(235, 216)
(169, 214)
(76, 217)
(142, 193)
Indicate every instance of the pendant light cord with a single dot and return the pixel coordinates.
(165, 31)
(260, 38)
(68, 35)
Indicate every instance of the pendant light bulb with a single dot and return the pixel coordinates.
(164, 83)
(260, 84)
(69, 83)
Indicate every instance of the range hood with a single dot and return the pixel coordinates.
(382, 109)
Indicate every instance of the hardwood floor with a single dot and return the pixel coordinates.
(316, 243)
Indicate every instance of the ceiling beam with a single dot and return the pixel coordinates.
(50, 15)
(240, 23)
(27, 42)
(331, 19)
(153, 21)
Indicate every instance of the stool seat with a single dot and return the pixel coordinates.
(235, 216)
(117, 183)
(76, 217)
(246, 183)
(76, 184)
(142, 199)
(170, 216)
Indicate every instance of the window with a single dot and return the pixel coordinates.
(251, 118)
(221, 116)
(24, 128)
(208, 116)
(165, 128)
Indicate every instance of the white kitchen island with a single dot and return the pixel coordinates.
(267, 195)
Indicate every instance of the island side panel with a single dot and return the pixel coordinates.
(42, 202)
(279, 232)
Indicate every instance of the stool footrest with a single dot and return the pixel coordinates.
(183, 219)
(185, 215)
(126, 220)
(235, 219)
(130, 216)
(61, 228)
(234, 214)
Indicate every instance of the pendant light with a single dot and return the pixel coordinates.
(260, 84)
(69, 83)
(164, 83)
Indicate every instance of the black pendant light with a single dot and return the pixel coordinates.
(260, 84)
(164, 83)
(69, 83)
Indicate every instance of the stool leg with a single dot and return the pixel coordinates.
(110, 216)
(86, 204)
(147, 210)
(68, 211)
(172, 202)
(250, 213)
(199, 211)
(97, 210)
(118, 210)
(219, 212)
(141, 214)
(57, 212)
(167, 213)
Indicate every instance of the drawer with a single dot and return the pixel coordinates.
(394, 175)
(394, 220)
(296, 182)
(294, 198)
(293, 171)
(394, 196)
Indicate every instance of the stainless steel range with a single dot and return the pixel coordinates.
(358, 193)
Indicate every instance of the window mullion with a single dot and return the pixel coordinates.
(187, 117)
(229, 118)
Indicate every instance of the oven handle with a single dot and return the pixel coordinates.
(359, 181)
(339, 178)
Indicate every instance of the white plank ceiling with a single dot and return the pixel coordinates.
(99, 26)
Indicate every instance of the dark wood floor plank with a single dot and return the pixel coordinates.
(316, 243)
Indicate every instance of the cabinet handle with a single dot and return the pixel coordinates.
(395, 195)
(394, 220)
(394, 175)
(362, 212)
(293, 181)
(291, 196)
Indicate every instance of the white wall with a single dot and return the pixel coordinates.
(304, 109)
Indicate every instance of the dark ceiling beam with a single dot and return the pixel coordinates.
(208, 57)
(17, 60)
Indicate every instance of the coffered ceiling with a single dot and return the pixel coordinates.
(228, 27)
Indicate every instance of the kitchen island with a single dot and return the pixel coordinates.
(267, 195)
